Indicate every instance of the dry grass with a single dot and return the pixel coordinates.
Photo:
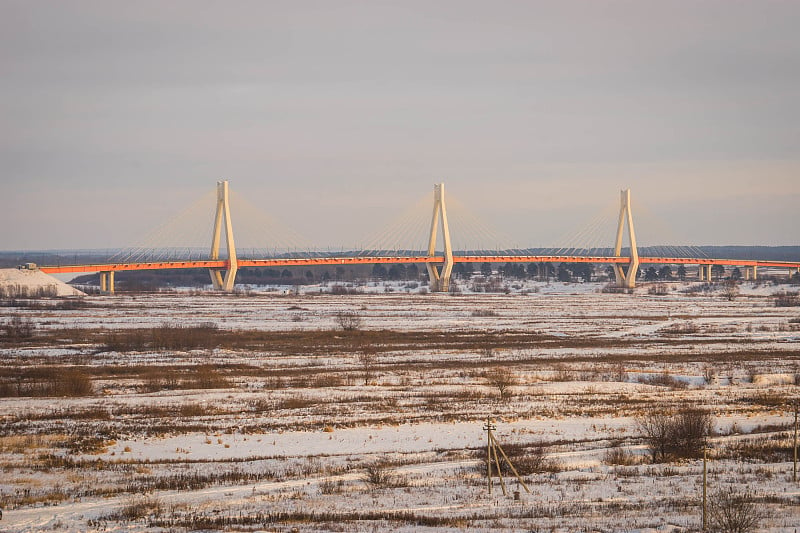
(312, 342)
(48, 381)
(31, 443)
(172, 337)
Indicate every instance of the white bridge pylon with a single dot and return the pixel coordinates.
(440, 277)
(626, 278)
(223, 212)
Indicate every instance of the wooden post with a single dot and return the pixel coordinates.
(705, 459)
(489, 427)
(510, 464)
(499, 470)
(794, 468)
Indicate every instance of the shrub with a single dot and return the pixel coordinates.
(140, 507)
(327, 380)
(379, 475)
(787, 299)
(296, 402)
(349, 320)
(339, 289)
(23, 291)
(16, 328)
(190, 410)
(730, 290)
(731, 511)
(619, 456)
(664, 380)
(173, 337)
(155, 379)
(178, 337)
(329, 486)
(612, 288)
(681, 328)
(680, 435)
(73, 382)
(527, 459)
(209, 377)
(657, 289)
(49, 381)
(763, 449)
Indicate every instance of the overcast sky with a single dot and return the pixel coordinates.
(334, 116)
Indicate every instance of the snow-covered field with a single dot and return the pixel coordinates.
(279, 419)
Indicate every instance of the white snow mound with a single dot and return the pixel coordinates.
(19, 282)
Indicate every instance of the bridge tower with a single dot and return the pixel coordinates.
(440, 277)
(626, 279)
(223, 212)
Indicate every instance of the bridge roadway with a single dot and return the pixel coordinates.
(365, 260)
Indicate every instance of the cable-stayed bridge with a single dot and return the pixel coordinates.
(411, 239)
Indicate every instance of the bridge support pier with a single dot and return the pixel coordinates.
(223, 212)
(439, 277)
(626, 278)
(107, 282)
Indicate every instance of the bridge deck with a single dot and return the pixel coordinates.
(365, 260)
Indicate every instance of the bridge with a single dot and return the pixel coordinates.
(439, 265)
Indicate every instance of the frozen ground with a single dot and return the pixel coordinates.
(284, 430)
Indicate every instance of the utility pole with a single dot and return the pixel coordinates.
(492, 447)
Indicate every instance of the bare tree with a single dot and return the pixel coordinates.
(731, 511)
(502, 379)
(730, 290)
(367, 356)
(656, 427)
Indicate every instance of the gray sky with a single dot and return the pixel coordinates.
(334, 116)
